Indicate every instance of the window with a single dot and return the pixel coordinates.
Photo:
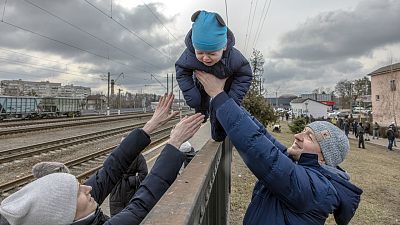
(376, 97)
(393, 85)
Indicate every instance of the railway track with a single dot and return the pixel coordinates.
(10, 155)
(19, 123)
(26, 129)
(85, 166)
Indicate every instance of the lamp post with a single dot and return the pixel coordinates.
(306, 111)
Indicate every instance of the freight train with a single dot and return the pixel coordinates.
(28, 107)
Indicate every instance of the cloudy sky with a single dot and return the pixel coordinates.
(306, 44)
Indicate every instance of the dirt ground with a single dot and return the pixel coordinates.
(374, 169)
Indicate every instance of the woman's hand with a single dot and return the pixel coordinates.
(212, 84)
(185, 129)
(161, 115)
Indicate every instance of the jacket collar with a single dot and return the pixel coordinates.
(308, 159)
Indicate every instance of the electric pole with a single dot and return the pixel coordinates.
(167, 84)
(119, 101)
(172, 83)
(108, 94)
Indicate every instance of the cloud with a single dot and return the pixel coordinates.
(91, 43)
(332, 45)
(336, 34)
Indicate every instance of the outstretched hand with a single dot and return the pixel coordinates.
(185, 129)
(162, 114)
(212, 84)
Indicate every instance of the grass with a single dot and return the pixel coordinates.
(374, 169)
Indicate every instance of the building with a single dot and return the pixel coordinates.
(74, 91)
(282, 101)
(385, 94)
(96, 102)
(327, 99)
(41, 89)
(29, 88)
(309, 107)
(318, 97)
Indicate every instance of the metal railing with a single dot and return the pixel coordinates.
(200, 195)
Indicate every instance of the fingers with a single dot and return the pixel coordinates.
(170, 100)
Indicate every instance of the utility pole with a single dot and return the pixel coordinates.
(172, 83)
(119, 102)
(167, 84)
(108, 95)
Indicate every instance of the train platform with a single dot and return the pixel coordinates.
(197, 141)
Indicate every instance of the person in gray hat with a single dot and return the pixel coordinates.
(299, 185)
(59, 199)
(42, 169)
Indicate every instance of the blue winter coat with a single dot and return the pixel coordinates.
(232, 64)
(286, 192)
(160, 178)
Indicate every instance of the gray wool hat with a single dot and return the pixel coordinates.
(44, 168)
(333, 142)
(50, 200)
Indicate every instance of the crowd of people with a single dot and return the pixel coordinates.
(363, 130)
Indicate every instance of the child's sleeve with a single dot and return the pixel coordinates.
(184, 77)
(186, 83)
(241, 82)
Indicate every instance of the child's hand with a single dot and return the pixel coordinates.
(212, 85)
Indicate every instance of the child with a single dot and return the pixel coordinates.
(209, 48)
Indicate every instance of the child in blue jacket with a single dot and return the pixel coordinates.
(209, 48)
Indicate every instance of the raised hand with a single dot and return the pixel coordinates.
(185, 129)
(162, 114)
(212, 84)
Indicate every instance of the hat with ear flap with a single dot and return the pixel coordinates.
(209, 32)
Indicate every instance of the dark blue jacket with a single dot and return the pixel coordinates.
(232, 64)
(302, 193)
(160, 178)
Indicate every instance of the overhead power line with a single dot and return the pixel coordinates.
(159, 20)
(262, 24)
(129, 30)
(247, 28)
(226, 13)
(92, 35)
(39, 67)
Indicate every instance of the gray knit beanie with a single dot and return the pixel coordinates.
(333, 142)
(50, 200)
(44, 168)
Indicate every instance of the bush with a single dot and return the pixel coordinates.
(259, 108)
(298, 125)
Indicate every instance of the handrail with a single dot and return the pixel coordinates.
(200, 195)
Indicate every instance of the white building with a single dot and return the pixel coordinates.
(41, 89)
(309, 107)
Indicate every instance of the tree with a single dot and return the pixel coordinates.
(254, 101)
(297, 125)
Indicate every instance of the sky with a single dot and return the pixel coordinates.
(306, 44)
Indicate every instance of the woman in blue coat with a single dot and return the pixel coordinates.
(209, 48)
(299, 185)
(59, 199)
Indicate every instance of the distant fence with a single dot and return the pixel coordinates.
(201, 194)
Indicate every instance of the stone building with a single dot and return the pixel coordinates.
(385, 97)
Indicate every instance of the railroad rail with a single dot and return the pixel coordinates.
(10, 155)
(18, 123)
(69, 124)
(85, 166)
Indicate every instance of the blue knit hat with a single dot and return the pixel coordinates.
(333, 142)
(209, 32)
